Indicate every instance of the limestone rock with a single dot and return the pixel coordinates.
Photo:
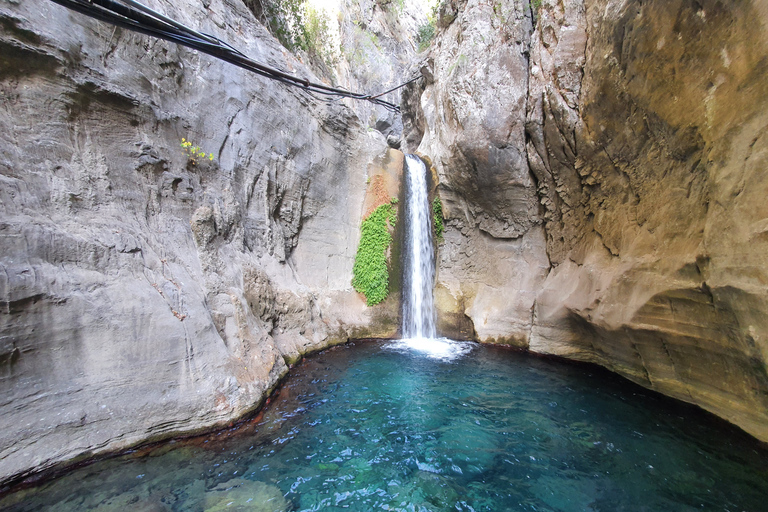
(472, 117)
(377, 49)
(647, 125)
(241, 495)
(144, 294)
(644, 140)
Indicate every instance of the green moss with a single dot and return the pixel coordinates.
(437, 215)
(535, 7)
(426, 32)
(371, 276)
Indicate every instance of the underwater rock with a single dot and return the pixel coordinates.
(240, 495)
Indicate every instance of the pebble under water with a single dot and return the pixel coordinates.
(431, 426)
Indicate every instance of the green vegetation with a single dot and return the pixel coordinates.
(371, 276)
(535, 6)
(367, 46)
(194, 153)
(437, 216)
(299, 26)
(394, 6)
(501, 16)
(426, 32)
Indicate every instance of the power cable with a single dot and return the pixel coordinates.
(137, 17)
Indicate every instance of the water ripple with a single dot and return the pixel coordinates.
(425, 425)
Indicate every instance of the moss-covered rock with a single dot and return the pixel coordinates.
(371, 275)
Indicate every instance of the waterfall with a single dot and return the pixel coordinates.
(418, 254)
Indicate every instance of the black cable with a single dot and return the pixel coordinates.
(139, 18)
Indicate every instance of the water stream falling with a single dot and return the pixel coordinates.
(418, 255)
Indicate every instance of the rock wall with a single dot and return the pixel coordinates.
(144, 294)
(647, 125)
(472, 112)
(622, 143)
(367, 46)
(378, 41)
(601, 171)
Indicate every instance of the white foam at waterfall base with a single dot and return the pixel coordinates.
(435, 348)
(419, 274)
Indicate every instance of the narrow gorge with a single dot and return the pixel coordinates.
(177, 232)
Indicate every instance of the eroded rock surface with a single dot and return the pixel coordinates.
(644, 140)
(378, 46)
(472, 112)
(602, 173)
(647, 123)
(144, 294)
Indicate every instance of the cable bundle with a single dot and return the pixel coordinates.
(137, 17)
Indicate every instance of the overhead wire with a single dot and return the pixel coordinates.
(132, 15)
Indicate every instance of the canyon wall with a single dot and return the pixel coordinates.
(471, 115)
(143, 292)
(357, 45)
(601, 165)
(378, 46)
(645, 136)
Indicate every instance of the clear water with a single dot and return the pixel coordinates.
(419, 254)
(397, 426)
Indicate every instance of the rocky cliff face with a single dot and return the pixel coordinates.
(378, 48)
(601, 170)
(647, 123)
(472, 112)
(644, 132)
(359, 45)
(143, 293)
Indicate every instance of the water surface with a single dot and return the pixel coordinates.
(399, 426)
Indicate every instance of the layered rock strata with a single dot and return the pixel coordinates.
(638, 176)
(145, 292)
(471, 123)
(647, 125)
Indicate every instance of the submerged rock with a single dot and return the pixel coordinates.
(240, 495)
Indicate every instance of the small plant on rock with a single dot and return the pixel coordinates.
(194, 153)
(437, 217)
(535, 7)
(426, 33)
